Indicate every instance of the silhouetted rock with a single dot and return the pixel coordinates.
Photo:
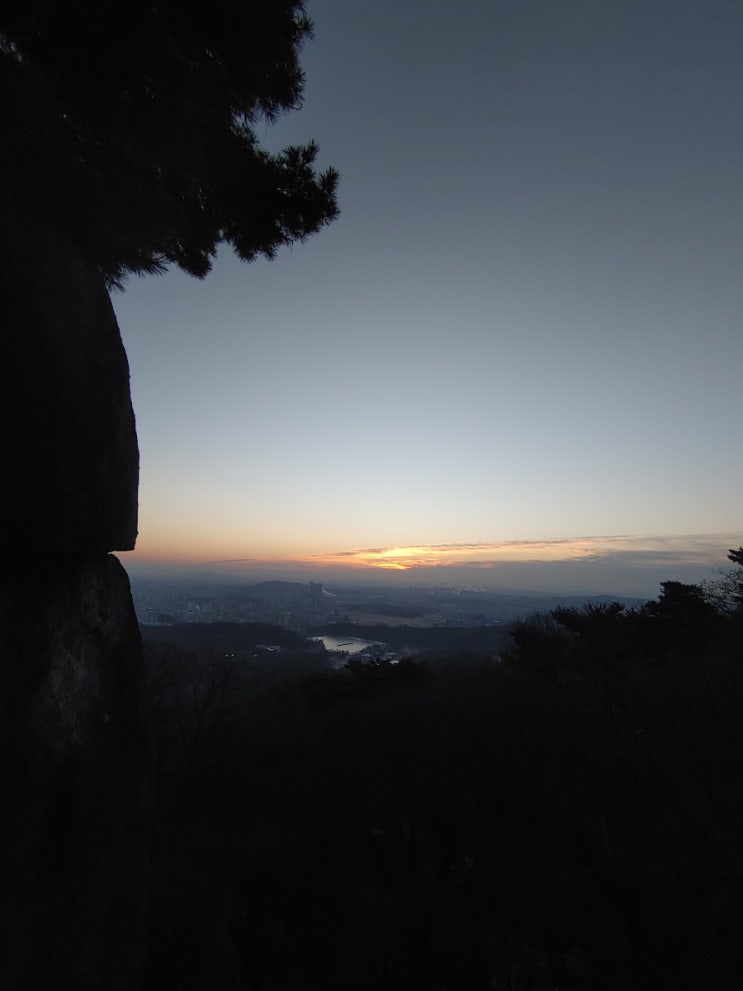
(74, 759)
(74, 756)
(69, 447)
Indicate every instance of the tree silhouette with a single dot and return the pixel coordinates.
(726, 592)
(680, 623)
(133, 127)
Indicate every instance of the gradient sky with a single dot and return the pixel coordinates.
(521, 338)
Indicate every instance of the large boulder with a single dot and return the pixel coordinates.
(69, 446)
(74, 755)
(73, 766)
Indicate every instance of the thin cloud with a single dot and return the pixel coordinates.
(625, 550)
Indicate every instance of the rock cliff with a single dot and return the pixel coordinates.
(73, 739)
(70, 457)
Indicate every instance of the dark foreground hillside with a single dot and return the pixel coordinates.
(455, 824)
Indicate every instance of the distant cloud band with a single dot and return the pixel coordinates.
(627, 550)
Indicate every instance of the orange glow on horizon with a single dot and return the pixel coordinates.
(483, 556)
(472, 555)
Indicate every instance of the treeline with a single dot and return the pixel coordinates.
(566, 817)
(683, 623)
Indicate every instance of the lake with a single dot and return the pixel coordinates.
(350, 645)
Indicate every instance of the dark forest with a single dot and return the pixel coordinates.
(564, 816)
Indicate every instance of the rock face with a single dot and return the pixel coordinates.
(69, 446)
(74, 753)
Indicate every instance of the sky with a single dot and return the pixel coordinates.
(517, 352)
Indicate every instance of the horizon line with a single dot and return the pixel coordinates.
(640, 549)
